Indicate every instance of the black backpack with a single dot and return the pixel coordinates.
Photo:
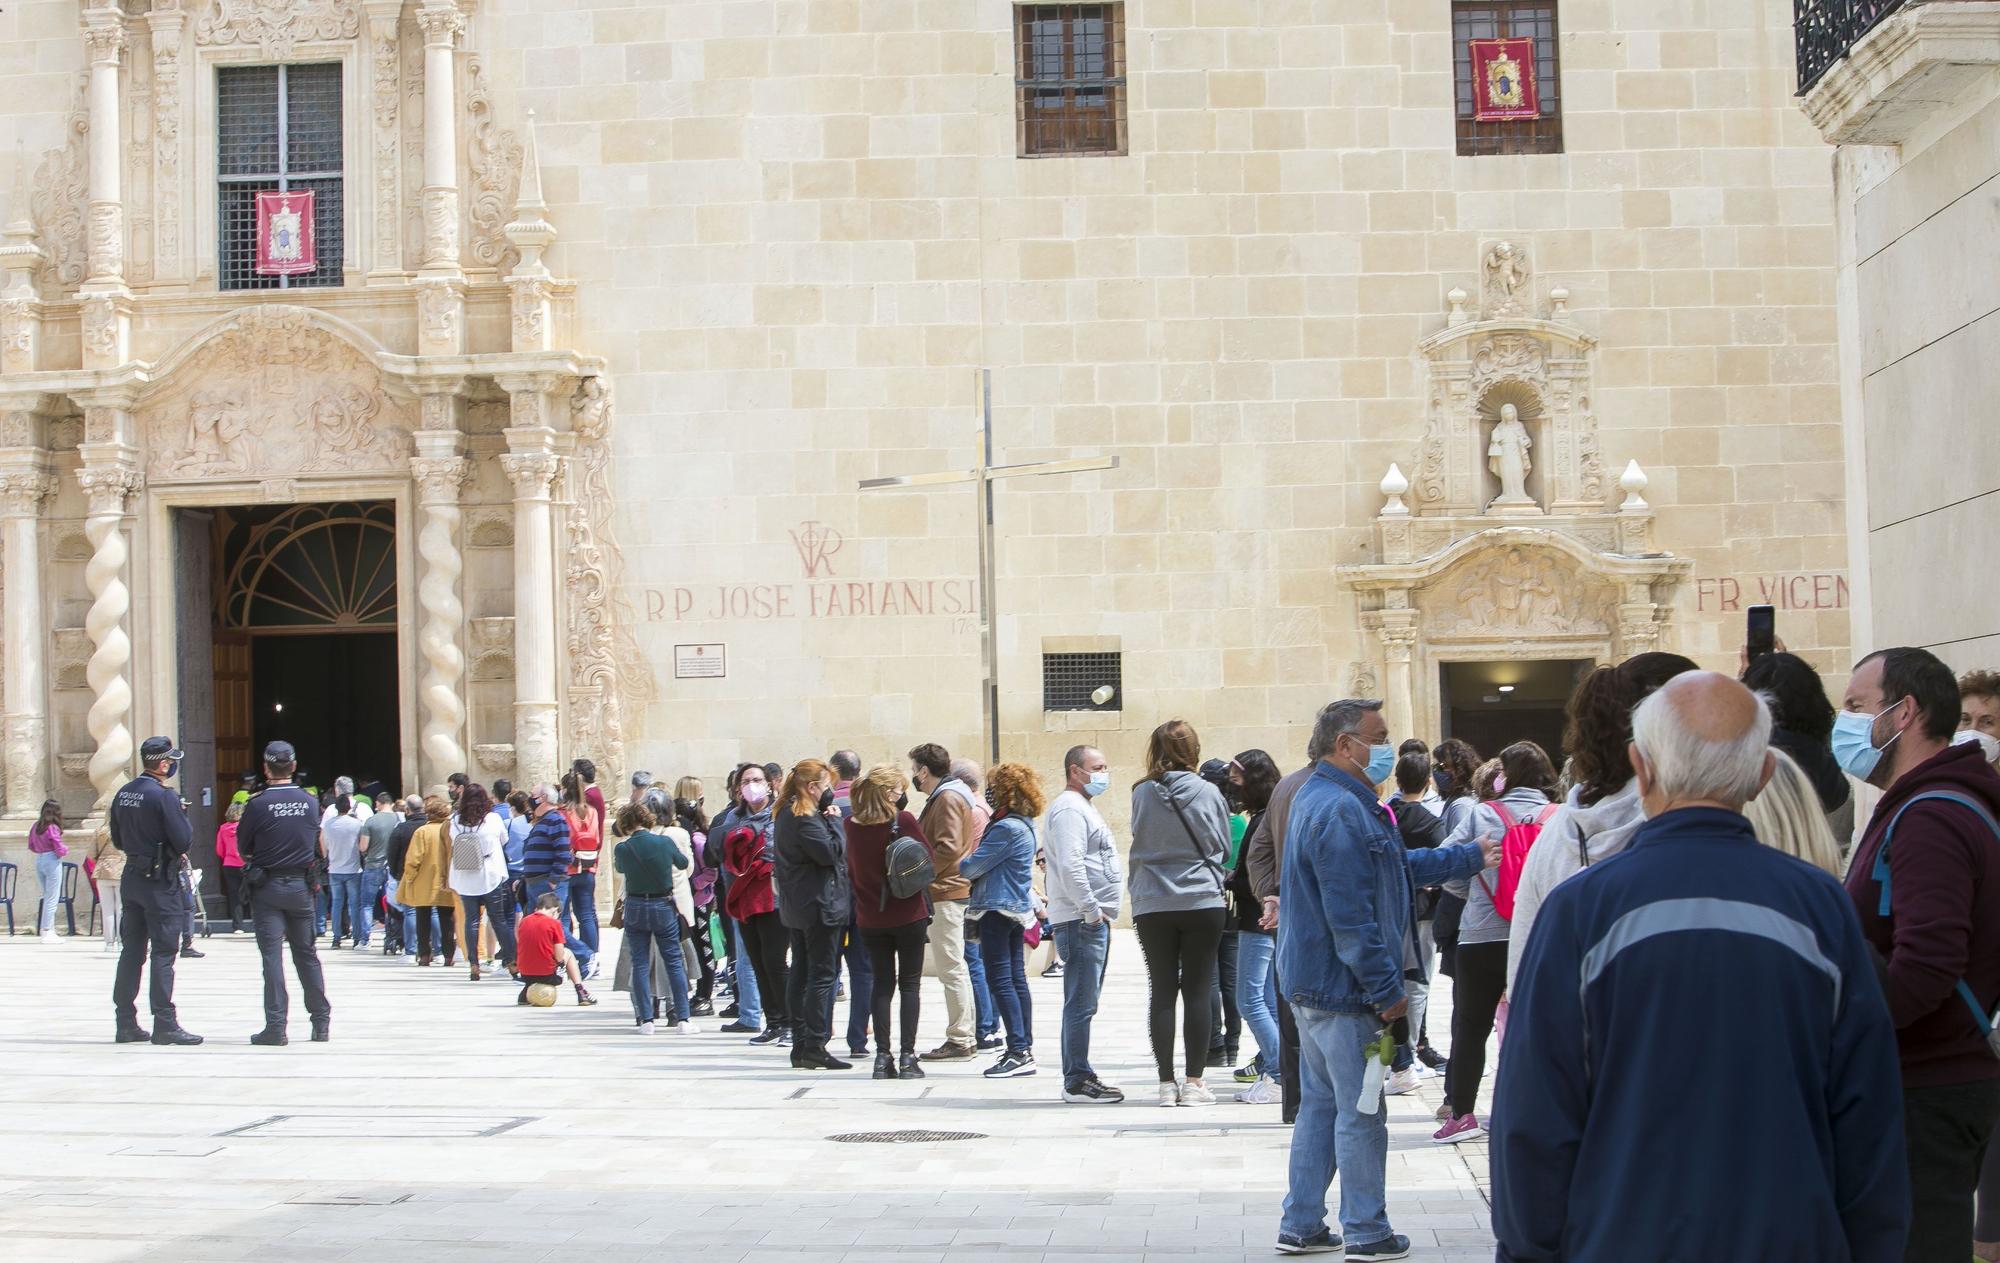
(907, 867)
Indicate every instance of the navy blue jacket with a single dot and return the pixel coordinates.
(149, 824)
(1699, 1064)
(546, 853)
(1344, 900)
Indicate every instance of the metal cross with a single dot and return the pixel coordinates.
(984, 475)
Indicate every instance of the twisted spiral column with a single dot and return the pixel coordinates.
(439, 480)
(110, 489)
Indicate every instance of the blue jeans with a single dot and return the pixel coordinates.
(988, 1018)
(48, 871)
(652, 924)
(322, 909)
(1002, 948)
(1257, 994)
(749, 1005)
(860, 993)
(539, 886)
(1086, 951)
(347, 906)
(373, 882)
(581, 904)
(1331, 1134)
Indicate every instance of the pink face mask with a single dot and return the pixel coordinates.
(755, 793)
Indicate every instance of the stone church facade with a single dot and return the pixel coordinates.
(626, 301)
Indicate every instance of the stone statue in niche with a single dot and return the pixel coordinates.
(1507, 456)
(1506, 280)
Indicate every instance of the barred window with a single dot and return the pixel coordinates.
(1486, 19)
(1069, 78)
(1073, 681)
(278, 129)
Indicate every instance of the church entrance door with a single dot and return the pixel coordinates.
(1496, 703)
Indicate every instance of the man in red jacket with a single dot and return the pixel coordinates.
(1931, 909)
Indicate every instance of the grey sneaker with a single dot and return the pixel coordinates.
(1325, 1241)
(1389, 1247)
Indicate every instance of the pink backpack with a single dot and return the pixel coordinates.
(1514, 847)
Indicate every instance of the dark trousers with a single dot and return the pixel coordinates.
(1225, 1019)
(1180, 950)
(896, 962)
(860, 992)
(765, 941)
(282, 912)
(1002, 948)
(497, 903)
(152, 918)
(1946, 1130)
(232, 894)
(704, 955)
(1475, 996)
(1288, 1060)
(447, 932)
(809, 998)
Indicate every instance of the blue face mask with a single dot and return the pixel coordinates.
(1097, 784)
(1442, 779)
(1854, 742)
(1381, 762)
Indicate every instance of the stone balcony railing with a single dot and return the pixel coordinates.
(1871, 71)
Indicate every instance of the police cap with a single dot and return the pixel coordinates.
(153, 749)
(280, 752)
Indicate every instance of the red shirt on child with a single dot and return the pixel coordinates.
(535, 944)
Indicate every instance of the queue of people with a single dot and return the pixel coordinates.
(1638, 920)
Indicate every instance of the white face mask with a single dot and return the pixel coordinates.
(1986, 741)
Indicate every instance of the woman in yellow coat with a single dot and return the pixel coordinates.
(424, 883)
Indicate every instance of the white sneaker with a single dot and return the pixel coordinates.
(645, 1028)
(1265, 1091)
(1193, 1093)
(592, 971)
(1170, 1095)
(684, 1028)
(1401, 1083)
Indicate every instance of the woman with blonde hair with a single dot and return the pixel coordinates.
(1002, 905)
(895, 931)
(1180, 838)
(425, 882)
(1788, 816)
(810, 868)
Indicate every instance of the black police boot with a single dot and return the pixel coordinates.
(322, 1030)
(175, 1037)
(188, 953)
(270, 1037)
(133, 1034)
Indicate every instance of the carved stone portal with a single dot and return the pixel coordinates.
(274, 392)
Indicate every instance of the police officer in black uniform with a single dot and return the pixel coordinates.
(279, 838)
(149, 823)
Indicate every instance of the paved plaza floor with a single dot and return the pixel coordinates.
(445, 1123)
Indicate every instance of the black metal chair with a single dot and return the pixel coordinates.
(9, 875)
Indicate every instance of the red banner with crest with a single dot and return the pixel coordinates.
(285, 245)
(1503, 80)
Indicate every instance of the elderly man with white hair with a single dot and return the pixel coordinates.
(1699, 1061)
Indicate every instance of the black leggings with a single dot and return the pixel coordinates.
(765, 939)
(1476, 988)
(704, 954)
(896, 959)
(1180, 950)
(447, 932)
(1225, 1019)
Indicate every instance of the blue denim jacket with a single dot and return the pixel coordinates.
(1002, 868)
(1344, 897)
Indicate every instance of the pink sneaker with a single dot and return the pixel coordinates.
(1464, 1127)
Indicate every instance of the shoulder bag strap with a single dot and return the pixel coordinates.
(1507, 822)
(1881, 875)
(1200, 854)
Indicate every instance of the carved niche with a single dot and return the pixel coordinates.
(274, 393)
(274, 26)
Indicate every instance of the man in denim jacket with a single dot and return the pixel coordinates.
(1343, 944)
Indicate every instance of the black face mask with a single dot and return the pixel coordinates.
(825, 799)
(902, 802)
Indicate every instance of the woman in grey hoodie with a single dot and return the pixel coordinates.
(1180, 838)
(1527, 782)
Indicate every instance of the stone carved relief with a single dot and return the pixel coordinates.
(1364, 683)
(1509, 357)
(437, 311)
(167, 131)
(65, 433)
(1516, 592)
(385, 49)
(100, 328)
(489, 528)
(605, 662)
(494, 160)
(62, 189)
(71, 658)
(274, 26)
(493, 650)
(412, 140)
(494, 760)
(530, 301)
(1505, 292)
(275, 391)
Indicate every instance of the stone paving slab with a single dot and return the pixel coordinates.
(445, 1123)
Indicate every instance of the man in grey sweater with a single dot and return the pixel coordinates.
(1086, 884)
